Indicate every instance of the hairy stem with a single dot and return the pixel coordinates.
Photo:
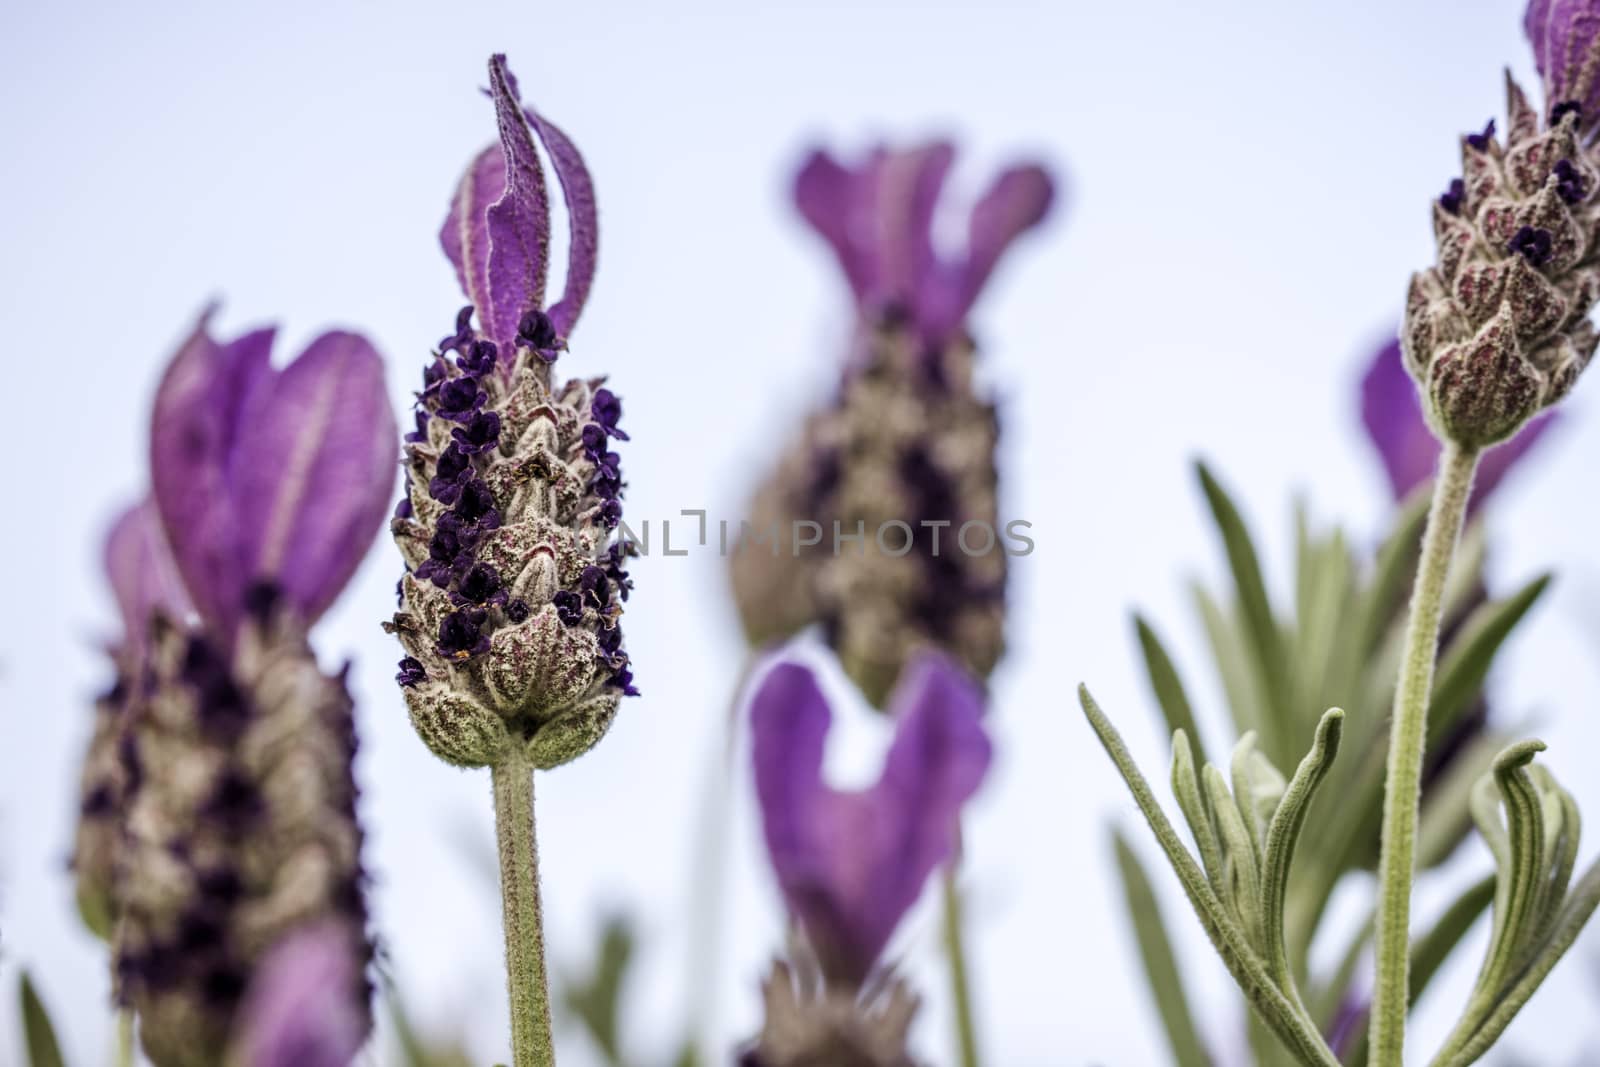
(1407, 735)
(531, 1042)
(961, 993)
(125, 1038)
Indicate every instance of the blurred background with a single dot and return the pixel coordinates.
(1248, 187)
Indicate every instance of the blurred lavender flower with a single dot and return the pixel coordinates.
(144, 581)
(851, 864)
(908, 444)
(1392, 414)
(236, 750)
(298, 1012)
(513, 586)
(1565, 35)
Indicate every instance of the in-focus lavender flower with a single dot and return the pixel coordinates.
(1393, 417)
(1498, 329)
(513, 589)
(239, 824)
(851, 864)
(298, 1011)
(907, 447)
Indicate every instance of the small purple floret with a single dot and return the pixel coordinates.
(1452, 198)
(1481, 141)
(411, 672)
(1533, 244)
(478, 358)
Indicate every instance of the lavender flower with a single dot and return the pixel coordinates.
(1498, 328)
(239, 824)
(139, 568)
(513, 586)
(907, 447)
(298, 1012)
(1395, 425)
(851, 864)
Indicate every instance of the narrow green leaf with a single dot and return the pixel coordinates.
(1287, 1020)
(1196, 812)
(1160, 963)
(43, 1048)
(1284, 833)
(1465, 663)
(1241, 867)
(1167, 686)
(1266, 639)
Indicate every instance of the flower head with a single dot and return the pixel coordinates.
(851, 864)
(1565, 35)
(1498, 329)
(269, 475)
(514, 585)
(1395, 425)
(879, 218)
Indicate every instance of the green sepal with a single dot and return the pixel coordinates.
(37, 1030)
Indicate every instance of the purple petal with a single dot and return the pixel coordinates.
(904, 188)
(304, 1008)
(139, 566)
(826, 194)
(583, 221)
(1565, 35)
(1392, 414)
(852, 863)
(465, 235)
(313, 472)
(518, 223)
(1019, 200)
(194, 430)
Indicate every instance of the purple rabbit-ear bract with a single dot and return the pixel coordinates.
(879, 219)
(1565, 35)
(1392, 413)
(140, 569)
(303, 1007)
(851, 864)
(497, 233)
(271, 476)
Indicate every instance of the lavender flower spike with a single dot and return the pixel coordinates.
(1565, 35)
(306, 1006)
(851, 864)
(907, 484)
(513, 588)
(1393, 417)
(235, 749)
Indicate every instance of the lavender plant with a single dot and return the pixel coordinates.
(850, 865)
(1495, 332)
(1341, 639)
(514, 583)
(235, 851)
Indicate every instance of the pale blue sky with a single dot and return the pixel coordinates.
(1248, 190)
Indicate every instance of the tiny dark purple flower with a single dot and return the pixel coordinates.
(421, 432)
(460, 397)
(411, 672)
(851, 864)
(1451, 199)
(518, 610)
(592, 586)
(1569, 182)
(878, 217)
(569, 607)
(479, 358)
(610, 514)
(458, 341)
(432, 375)
(1533, 244)
(403, 509)
(623, 680)
(1565, 35)
(453, 468)
(1392, 414)
(480, 433)
(594, 441)
(461, 634)
(475, 505)
(1481, 141)
(606, 408)
(480, 584)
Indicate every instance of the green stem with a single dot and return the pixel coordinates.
(531, 1042)
(955, 945)
(125, 1038)
(1407, 735)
